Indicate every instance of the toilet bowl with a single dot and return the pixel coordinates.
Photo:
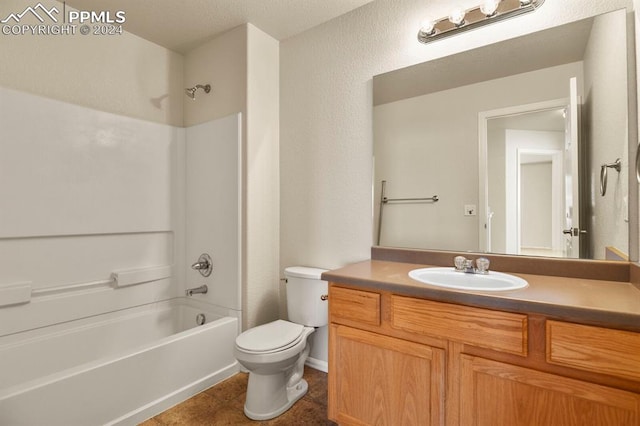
(275, 353)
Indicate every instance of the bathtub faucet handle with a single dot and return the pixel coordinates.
(200, 265)
(203, 265)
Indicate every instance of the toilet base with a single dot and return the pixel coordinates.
(293, 394)
(275, 379)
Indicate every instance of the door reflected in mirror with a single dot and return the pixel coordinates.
(515, 163)
(528, 193)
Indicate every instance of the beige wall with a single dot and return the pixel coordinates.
(605, 111)
(121, 74)
(326, 114)
(222, 63)
(262, 179)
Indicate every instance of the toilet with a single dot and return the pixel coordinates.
(275, 353)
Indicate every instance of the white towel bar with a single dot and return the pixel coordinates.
(139, 276)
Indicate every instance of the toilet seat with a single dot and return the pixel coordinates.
(275, 336)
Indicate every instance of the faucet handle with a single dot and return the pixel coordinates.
(482, 264)
(203, 265)
(459, 263)
(200, 265)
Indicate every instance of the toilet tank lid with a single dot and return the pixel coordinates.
(304, 272)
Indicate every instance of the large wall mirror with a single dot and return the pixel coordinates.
(501, 149)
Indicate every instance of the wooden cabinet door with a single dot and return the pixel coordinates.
(494, 393)
(380, 380)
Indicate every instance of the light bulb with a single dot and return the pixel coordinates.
(427, 27)
(489, 7)
(456, 16)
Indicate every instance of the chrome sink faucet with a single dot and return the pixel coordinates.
(197, 290)
(462, 264)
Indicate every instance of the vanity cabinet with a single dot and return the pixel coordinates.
(400, 360)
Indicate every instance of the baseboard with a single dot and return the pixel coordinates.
(318, 364)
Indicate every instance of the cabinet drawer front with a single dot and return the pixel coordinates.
(602, 350)
(502, 331)
(354, 305)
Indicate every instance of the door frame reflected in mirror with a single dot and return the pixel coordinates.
(513, 221)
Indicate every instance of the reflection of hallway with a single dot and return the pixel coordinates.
(537, 205)
(526, 185)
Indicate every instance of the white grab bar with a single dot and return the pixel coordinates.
(139, 276)
(22, 292)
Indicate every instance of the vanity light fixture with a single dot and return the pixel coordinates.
(456, 16)
(463, 20)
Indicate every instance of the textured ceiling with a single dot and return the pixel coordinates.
(183, 24)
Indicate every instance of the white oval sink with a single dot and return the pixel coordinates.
(450, 278)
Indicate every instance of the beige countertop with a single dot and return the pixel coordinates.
(607, 303)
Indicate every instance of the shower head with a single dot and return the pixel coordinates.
(191, 91)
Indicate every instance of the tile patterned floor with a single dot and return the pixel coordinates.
(223, 404)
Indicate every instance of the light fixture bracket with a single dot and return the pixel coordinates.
(474, 18)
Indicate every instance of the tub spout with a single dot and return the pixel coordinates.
(197, 290)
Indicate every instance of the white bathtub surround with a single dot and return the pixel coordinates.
(70, 170)
(213, 206)
(15, 293)
(101, 204)
(92, 250)
(83, 194)
(78, 373)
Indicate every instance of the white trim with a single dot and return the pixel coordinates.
(317, 364)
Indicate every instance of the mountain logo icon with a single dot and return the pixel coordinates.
(39, 11)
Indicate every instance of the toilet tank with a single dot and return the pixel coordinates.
(305, 294)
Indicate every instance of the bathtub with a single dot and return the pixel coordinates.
(118, 368)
